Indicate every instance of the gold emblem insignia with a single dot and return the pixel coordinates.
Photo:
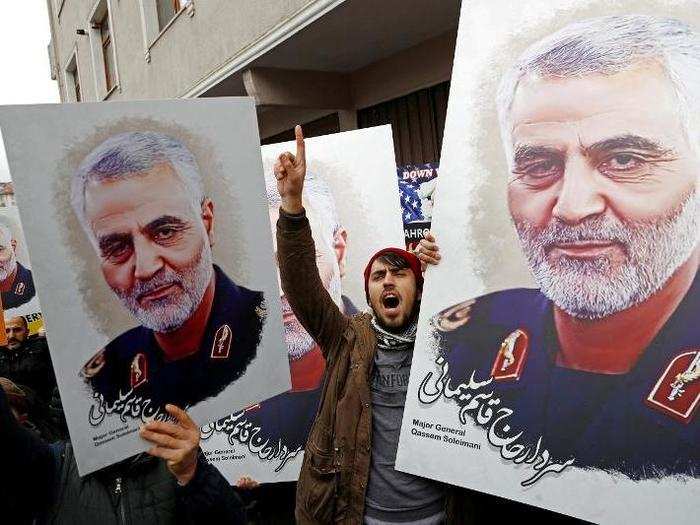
(677, 392)
(261, 310)
(453, 317)
(222, 342)
(94, 365)
(139, 370)
(511, 356)
(692, 373)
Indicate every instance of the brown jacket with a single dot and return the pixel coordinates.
(336, 465)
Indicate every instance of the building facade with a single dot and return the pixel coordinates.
(331, 65)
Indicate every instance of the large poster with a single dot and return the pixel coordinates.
(351, 199)
(558, 358)
(151, 251)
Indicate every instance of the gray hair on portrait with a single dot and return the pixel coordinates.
(7, 228)
(125, 154)
(317, 192)
(606, 46)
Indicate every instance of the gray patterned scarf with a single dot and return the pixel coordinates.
(390, 341)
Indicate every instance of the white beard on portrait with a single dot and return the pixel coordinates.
(597, 287)
(8, 266)
(299, 342)
(170, 313)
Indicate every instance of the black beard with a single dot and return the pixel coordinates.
(398, 330)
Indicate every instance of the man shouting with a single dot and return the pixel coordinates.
(348, 472)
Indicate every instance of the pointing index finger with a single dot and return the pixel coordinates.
(301, 147)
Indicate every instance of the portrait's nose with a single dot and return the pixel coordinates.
(580, 195)
(147, 259)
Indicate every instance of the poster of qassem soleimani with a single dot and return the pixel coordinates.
(558, 358)
(349, 206)
(151, 248)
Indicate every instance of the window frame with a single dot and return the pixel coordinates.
(101, 12)
(72, 78)
(150, 23)
(106, 41)
(177, 6)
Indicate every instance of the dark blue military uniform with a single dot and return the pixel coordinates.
(22, 289)
(624, 423)
(135, 361)
(288, 417)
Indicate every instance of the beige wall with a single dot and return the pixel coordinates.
(190, 51)
(415, 68)
(191, 48)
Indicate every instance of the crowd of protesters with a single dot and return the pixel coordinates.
(173, 482)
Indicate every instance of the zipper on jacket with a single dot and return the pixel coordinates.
(119, 494)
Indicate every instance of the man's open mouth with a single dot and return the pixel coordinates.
(390, 301)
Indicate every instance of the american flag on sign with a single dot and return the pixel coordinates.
(410, 202)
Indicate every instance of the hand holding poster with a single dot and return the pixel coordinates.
(353, 210)
(150, 241)
(559, 335)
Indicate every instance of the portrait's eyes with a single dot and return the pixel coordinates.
(117, 252)
(165, 234)
(539, 172)
(165, 231)
(543, 169)
(622, 164)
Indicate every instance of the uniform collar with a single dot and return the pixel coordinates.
(680, 331)
(227, 309)
(680, 334)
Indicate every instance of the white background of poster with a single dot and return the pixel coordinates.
(360, 168)
(480, 246)
(44, 145)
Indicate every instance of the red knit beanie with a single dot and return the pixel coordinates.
(412, 260)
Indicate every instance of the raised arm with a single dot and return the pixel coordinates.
(296, 254)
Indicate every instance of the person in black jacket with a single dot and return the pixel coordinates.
(40, 482)
(25, 359)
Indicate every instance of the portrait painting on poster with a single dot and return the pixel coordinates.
(151, 250)
(21, 311)
(353, 208)
(18, 294)
(558, 351)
